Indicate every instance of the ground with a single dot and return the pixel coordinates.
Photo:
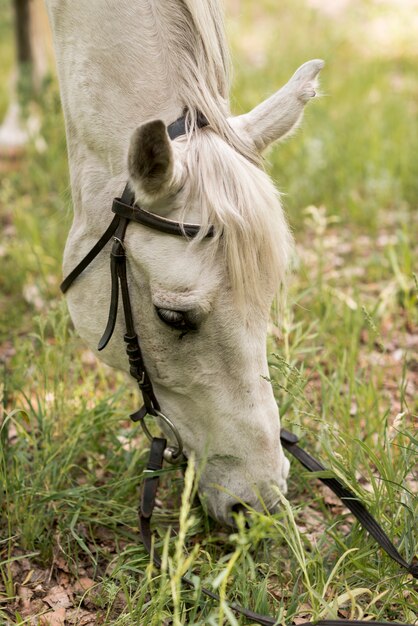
(343, 361)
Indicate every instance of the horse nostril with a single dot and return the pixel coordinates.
(240, 507)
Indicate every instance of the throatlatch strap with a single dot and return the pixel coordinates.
(91, 255)
(128, 198)
(289, 440)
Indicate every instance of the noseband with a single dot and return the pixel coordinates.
(127, 211)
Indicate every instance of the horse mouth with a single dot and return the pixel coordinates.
(247, 510)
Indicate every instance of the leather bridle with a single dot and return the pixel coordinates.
(127, 211)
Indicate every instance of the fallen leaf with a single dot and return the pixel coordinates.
(63, 579)
(83, 584)
(79, 617)
(61, 563)
(33, 609)
(57, 598)
(25, 594)
(54, 618)
(305, 612)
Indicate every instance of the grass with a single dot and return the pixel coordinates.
(344, 371)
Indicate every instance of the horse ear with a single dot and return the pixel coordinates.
(278, 115)
(151, 162)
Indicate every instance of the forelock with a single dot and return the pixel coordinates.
(239, 199)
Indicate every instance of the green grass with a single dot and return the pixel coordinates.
(343, 372)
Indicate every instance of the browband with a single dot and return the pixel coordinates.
(134, 213)
(124, 208)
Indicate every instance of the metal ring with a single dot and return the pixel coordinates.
(173, 453)
(145, 429)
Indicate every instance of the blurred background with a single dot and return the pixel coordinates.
(344, 362)
(354, 158)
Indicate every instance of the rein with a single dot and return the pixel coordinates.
(126, 211)
(348, 498)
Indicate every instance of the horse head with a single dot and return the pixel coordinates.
(202, 306)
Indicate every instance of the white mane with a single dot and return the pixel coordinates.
(234, 193)
(243, 205)
(193, 36)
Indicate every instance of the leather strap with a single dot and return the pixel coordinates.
(117, 259)
(179, 127)
(91, 255)
(128, 198)
(119, 281)
(289, 441)
(134, 213)
(350, 500)
(149, 493)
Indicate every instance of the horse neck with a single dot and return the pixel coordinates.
(116, 70)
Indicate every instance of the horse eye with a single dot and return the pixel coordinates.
(175, 319)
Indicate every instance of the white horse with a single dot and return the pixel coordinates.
(126, 70)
